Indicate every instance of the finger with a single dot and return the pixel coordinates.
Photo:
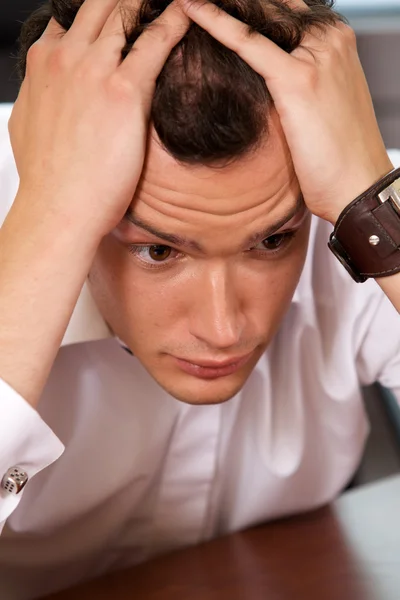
(114, 23)
(295, 4)
(150, 52)
(90, 20)
(53, 30)
(112, 39)
(327, 38)
(113, 34)
(260, 53)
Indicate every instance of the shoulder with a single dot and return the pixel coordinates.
(8, 172)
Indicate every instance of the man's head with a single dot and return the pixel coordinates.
(198, 276)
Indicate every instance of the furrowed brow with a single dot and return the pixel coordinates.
(171, 238)
(182, 242)
(255, 238)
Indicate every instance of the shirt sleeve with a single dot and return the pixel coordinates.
(25, 441)
(378, 332)
(378, 357)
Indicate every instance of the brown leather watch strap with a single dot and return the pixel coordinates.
(366, 238)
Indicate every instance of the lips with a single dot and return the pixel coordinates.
(209, 369)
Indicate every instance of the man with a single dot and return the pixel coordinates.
(185, 194)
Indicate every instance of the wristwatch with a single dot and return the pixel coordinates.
(366, 238)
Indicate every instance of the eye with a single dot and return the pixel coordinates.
(276, 242)
(154, 255)
(159, 253)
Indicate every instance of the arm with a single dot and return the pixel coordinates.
(76, 97)
(391, 287)
(322, 98)
(43, 268)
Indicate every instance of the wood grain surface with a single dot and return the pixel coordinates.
(349, 551)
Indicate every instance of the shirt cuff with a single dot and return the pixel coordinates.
(25, 441)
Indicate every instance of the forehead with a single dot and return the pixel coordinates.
(259, 187)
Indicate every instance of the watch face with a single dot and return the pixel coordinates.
(338, 250)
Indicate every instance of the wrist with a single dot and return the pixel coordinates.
(366, 238)
(355, 188)
(45, 262)
(39, 215)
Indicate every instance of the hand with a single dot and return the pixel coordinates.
(79, 126)
(323, 102)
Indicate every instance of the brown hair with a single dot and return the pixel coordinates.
(209, 107)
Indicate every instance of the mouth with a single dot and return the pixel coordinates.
(208, 369)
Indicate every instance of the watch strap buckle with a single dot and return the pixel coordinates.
(392, 192)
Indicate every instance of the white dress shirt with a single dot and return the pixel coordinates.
(119, 471)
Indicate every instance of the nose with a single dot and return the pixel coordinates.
(216, 318)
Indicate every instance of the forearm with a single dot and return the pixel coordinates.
(43, 266)
(391, 287)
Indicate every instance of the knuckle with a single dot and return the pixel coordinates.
(243, 37)
(343, 37)
(36, 53)
(163, 33)
(121, 88)
(350, 34)
(307, 77)
(337, 40)
(60, 58)
(158, 32)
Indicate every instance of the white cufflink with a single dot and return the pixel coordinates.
(14, 480)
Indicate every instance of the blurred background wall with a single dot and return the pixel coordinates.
(377, 23)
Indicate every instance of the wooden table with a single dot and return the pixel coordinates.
(350, 551)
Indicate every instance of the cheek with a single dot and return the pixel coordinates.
(134, 303)
(271, 290)
(268, 298)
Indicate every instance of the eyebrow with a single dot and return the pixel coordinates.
(255, 238)
(182, 242)
(171, 238)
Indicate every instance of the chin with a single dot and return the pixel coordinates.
(198, 392)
